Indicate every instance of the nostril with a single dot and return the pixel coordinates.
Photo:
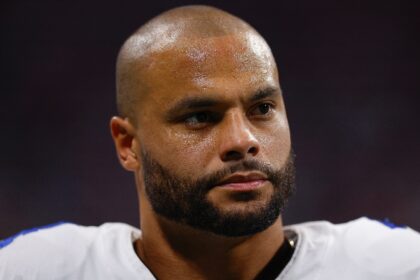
(252, 150)
(233, 155)
(238, 155)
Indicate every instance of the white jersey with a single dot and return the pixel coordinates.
(362, 249)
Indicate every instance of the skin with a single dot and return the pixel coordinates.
(231, 70)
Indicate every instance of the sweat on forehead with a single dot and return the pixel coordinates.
(191, 34)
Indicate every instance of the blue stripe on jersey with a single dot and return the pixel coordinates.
(387, 222)
(7, 241)
(390, 224)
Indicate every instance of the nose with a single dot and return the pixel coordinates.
(237, 140)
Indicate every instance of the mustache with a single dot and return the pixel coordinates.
(209, 181)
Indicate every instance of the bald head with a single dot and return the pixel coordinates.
(199, 92)
(192, 32)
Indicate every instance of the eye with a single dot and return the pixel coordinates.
(262, 110)
(199, 119)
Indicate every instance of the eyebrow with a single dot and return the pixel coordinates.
(264, 93)
(193, 103)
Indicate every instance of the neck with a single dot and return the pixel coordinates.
(174, 251)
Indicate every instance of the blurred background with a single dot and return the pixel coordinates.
(349, 71)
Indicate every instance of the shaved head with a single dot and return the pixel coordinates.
(199, 97)
(188, 32)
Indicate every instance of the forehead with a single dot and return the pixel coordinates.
(215, 64)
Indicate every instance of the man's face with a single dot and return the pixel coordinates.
(213, 135)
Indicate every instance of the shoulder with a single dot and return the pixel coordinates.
(381, 246)
(363, 231)
(52, 251)
(363, 247)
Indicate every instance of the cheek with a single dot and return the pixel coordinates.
(275, 143)
(185, 154)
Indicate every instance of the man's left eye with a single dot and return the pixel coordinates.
(262, 109)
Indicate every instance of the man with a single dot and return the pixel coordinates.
(203, 127)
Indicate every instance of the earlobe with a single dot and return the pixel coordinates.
(123, 134)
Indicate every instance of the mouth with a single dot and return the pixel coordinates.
(243, 182)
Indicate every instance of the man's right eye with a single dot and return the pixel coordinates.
(199, 119)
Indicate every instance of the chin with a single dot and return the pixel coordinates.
(242, 202)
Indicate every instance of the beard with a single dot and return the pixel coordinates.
(185, 200)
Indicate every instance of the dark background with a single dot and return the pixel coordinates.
(349, 70)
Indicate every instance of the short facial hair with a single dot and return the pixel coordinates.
(184, 200)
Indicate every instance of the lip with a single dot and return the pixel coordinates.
(243, 182)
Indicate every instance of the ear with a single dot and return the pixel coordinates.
(123, 133)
